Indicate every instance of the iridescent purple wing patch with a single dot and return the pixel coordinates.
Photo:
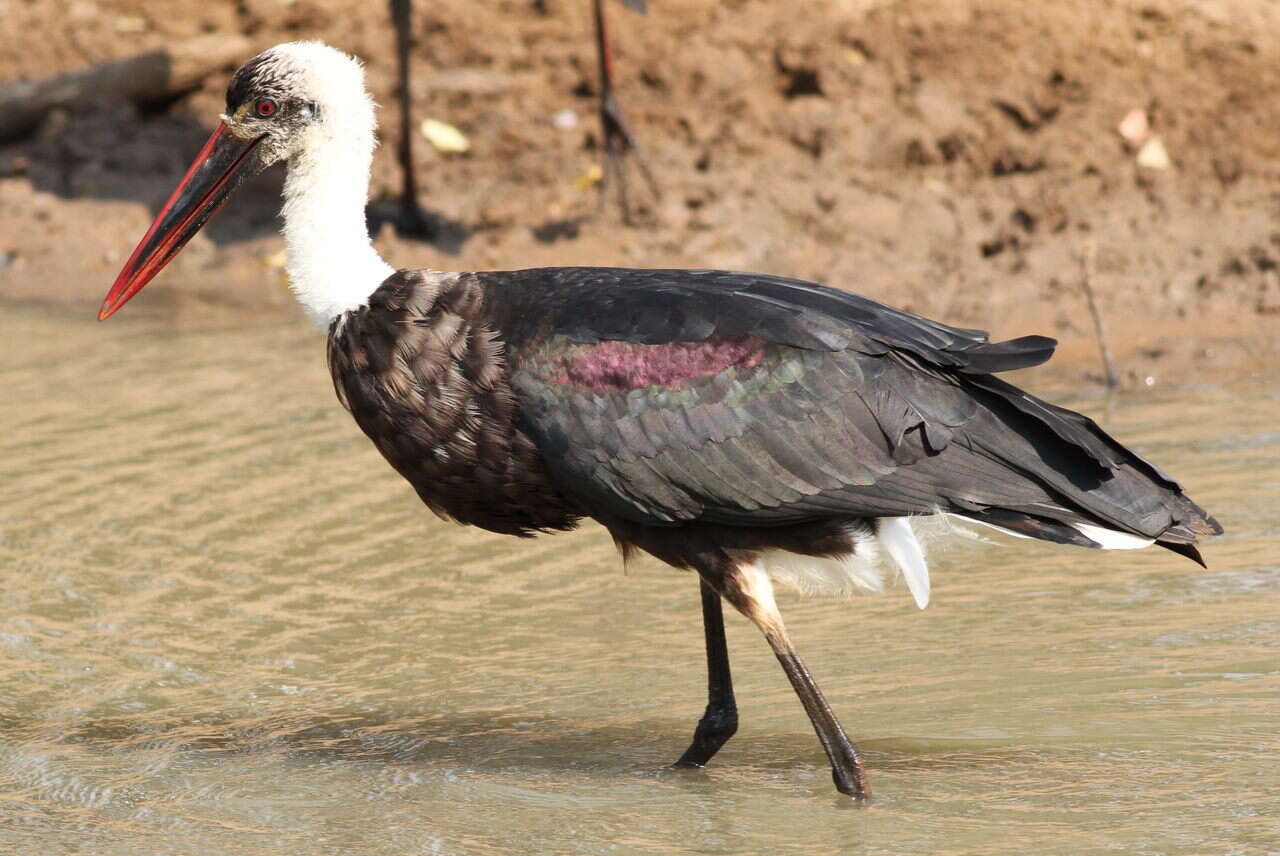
(621, 366)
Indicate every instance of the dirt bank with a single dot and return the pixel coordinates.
(954, 158)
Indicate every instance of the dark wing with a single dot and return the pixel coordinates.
(670, 396)
(654, 307)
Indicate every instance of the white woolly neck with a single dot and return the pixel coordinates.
(332, 266)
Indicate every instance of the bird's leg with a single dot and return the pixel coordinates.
(720, 721)
(748, 588)
(410, 220)
(846, 761)
(618, 140)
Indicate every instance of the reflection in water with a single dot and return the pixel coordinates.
(228, 627)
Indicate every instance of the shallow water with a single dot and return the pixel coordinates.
(226, 626)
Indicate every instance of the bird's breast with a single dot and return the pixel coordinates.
(428, 385)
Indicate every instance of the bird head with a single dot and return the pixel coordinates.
(278, 104)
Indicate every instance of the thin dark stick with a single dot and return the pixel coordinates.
(604, 54)
(1099, 326)
(617, 138)
(401, 14)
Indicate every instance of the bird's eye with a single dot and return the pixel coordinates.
(266, 108)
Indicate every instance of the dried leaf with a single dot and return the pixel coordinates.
(589, 179)
(1153, 155)
(130, 24)
(445, 137)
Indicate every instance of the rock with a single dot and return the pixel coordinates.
(1135, 128)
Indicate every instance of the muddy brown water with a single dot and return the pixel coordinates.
(227, 627)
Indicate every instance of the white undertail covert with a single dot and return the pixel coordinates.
(863, 570)
(899, 539)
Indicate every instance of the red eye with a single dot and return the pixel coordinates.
(266, 107)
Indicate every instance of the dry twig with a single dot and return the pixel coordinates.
(1088, 265)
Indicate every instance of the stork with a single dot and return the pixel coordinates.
(755, 429)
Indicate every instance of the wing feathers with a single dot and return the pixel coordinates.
(804, 402)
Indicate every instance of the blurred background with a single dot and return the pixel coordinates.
(226, 626)
(954, 158)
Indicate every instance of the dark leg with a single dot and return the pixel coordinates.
(846, 761)
(720, 721)
(410, 220)
(617, 137)
(748, 588)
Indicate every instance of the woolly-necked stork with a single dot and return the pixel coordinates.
(755, 429)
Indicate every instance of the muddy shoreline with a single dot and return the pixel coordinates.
(955, 159)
